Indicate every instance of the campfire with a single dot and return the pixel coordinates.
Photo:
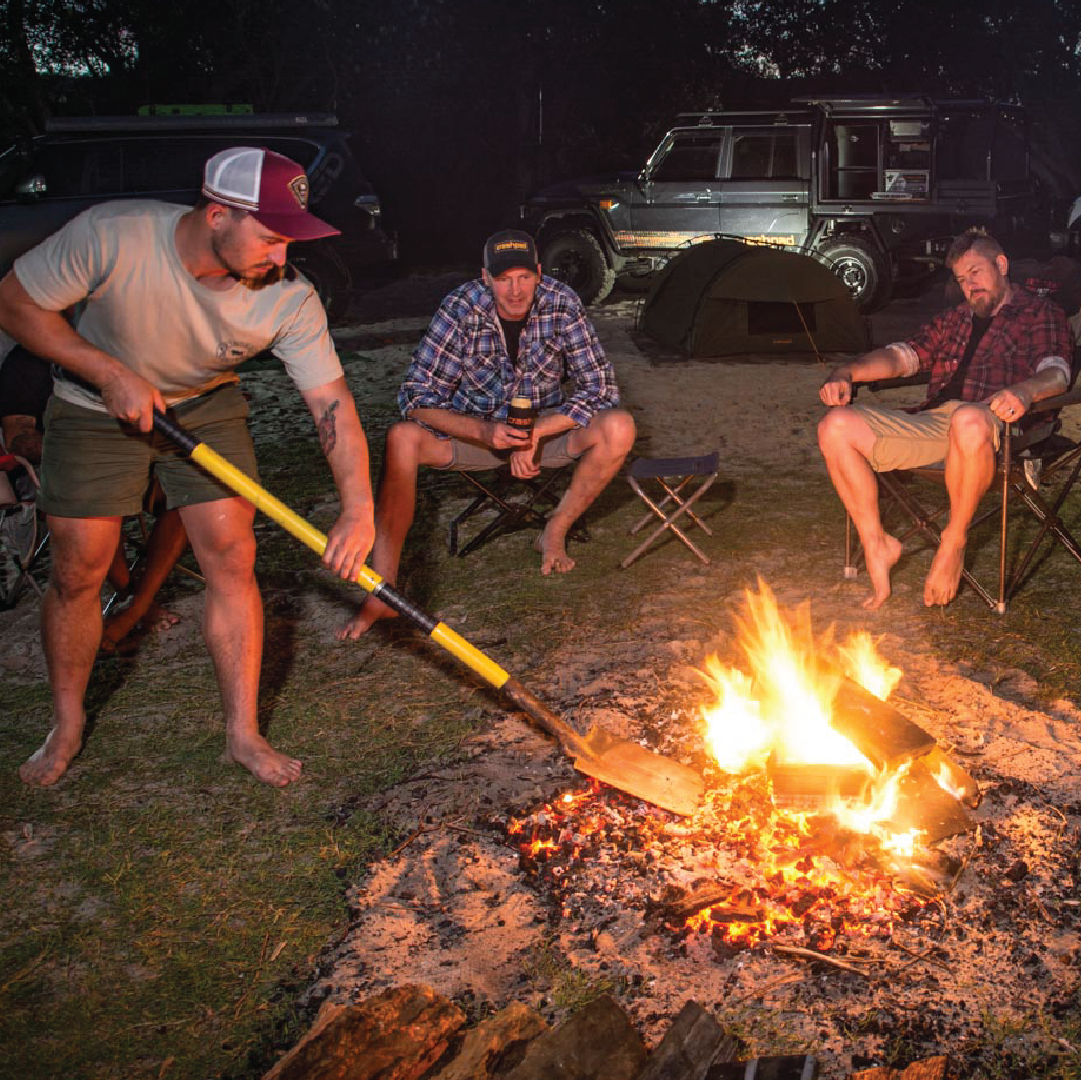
(821, 817)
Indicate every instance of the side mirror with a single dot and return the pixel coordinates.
(32, 187)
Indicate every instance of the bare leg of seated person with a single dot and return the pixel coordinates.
(846, 443)
(970, 471)
(165, 545)
(224, 544)
(82, 549)
(601, 449)
(408, 447)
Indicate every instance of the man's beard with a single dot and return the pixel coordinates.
(986, 302)
(253, 280)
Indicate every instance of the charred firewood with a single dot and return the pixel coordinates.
(883, 735)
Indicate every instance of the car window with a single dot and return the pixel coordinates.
(74, 169)
(690, 157)
(762, 155)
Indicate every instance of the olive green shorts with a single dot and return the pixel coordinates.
(912, 440)
(95, 466)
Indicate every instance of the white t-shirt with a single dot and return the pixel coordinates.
(117, 265)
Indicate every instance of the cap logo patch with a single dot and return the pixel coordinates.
(511, 245)
(299, 187)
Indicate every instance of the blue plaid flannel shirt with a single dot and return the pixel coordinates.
(462, 363)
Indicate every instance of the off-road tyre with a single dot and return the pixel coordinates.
(575, 257)
(325, 269)
(864, 270)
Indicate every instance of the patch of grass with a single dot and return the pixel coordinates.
(568, 988)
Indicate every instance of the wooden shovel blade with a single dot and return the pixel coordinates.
(640, 772)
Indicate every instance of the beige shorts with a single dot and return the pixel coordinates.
(912, 440)
(469, 457)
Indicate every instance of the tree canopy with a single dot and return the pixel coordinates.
(461, 106)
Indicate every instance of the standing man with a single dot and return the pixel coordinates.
(512, 333)
(990, 358)
(170, 300)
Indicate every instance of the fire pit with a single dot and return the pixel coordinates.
(796, 905)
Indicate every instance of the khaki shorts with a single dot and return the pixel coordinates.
(468, 457)
(912, 440)
(95, 466)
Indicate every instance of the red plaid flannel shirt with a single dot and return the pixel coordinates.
(1028, 334)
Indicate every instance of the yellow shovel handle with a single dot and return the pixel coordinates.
(258, 496)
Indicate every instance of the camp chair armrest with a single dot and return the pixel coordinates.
(1059, 401)
(921, 378)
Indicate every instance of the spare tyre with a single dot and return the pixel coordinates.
(861, 267)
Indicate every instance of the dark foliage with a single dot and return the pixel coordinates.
(461, 107)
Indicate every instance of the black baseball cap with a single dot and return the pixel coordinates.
(510, 250)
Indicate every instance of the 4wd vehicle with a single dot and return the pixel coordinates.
(875, 187)
(80, 161)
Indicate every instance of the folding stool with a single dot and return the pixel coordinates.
(500, 493)
(673, 475)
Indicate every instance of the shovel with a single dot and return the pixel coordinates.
(600, 754)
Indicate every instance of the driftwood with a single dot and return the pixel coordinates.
(693, 1043)
(884, 736)
(596, 1041)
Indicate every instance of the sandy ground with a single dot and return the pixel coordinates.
(1030, 754)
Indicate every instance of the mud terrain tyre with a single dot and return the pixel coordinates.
(861, 268)
(330, 276)
(575, 257)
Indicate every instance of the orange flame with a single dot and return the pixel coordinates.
(783, 707)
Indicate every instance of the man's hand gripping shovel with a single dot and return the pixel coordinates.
(600, 754)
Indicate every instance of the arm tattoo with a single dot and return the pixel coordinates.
(328, 430)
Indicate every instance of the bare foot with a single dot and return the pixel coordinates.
(51, 760)
(262, 760)
(944, 577)
(370, 613)
(881, 559)
(553, 552)
(158, 618)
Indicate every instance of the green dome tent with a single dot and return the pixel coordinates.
(723, 297)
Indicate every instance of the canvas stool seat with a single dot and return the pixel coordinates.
(672, 476)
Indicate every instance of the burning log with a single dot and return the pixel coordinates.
(884, 736)
(798, 786)
(922, 804)
(950, 775)
(678, 905)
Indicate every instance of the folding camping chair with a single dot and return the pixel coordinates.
(516, 502)
(672, 475)
(22, 541)
(1032, 456)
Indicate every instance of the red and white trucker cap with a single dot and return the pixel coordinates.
(273, 189)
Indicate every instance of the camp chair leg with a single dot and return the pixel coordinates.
(851, 570)
(511, 514)
(668, 520)
(671, 496)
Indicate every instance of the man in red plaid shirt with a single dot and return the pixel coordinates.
(990, 358)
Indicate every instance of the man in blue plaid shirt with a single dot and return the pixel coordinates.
(511, 333)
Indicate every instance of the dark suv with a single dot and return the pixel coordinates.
(80, 161)
(874, 187)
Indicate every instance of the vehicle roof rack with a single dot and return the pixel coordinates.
(705, 119)
(192, 122)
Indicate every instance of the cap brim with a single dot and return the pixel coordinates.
(299, 225)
